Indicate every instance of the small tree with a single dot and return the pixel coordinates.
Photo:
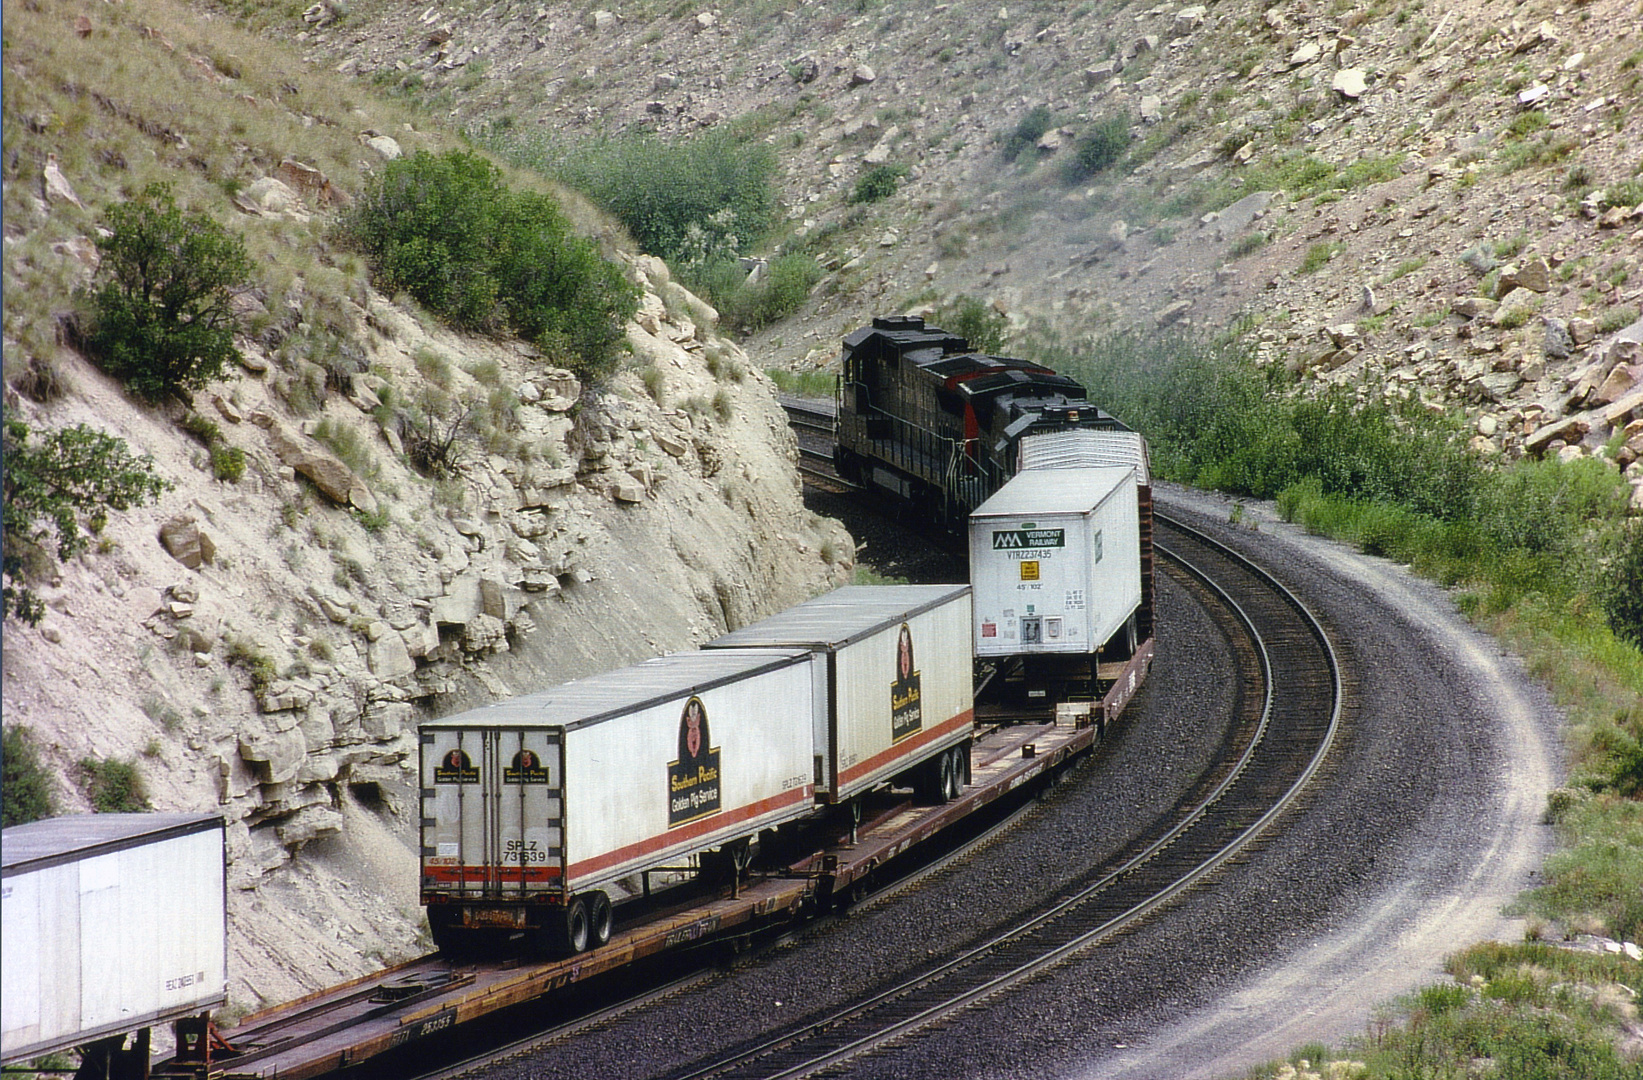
(62, 488)
(161, 319)
(25, 785)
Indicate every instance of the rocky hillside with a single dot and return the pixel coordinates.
(1441, 201)
(264, 646)
(1448, 202)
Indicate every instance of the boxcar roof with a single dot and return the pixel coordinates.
(1051, 491)
(80, 836)
(630, 689)
(842, 616)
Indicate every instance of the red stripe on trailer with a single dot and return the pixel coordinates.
(692, 831)
(481, 875)
(901, 749)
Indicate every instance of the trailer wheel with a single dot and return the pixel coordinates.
(954, 785)
(599, 918)
(573, 929)
(934, 782)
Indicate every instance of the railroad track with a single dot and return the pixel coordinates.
(812, 424)
(1291, 709)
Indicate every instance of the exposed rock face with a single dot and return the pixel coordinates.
(293, 629)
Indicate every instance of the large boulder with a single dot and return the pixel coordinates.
(335, 480)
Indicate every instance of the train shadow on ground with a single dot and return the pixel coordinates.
(891, 540)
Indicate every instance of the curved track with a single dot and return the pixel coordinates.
(1291, 702)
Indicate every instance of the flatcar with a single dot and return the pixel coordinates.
(940, 426)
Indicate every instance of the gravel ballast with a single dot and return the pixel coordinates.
(1423, 824)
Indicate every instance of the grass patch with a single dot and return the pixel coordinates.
(815, 383)
(1404, 269)
(1529, 1010)
(1319, 255)
(1304, 176)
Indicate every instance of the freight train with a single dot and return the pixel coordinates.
(542, 812)
(1061, 561)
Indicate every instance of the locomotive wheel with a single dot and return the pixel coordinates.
(599, 919)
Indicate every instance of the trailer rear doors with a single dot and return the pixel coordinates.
(493, 812)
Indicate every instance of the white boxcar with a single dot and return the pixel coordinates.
(533, 808)
(1055, 561)
(111, 922)
(899, 679)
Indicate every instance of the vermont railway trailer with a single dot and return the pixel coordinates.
(711, 795)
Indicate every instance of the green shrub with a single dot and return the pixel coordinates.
(975, 322)
(779, 293)
(161, 320)
(228, 463)
(1028, 130)
(202, 428)
(1623, 592)
(698, 199)
(1099, 148)
(445, 230)
(1318, 255)
(58, 492)
(245, 653)
(25, 789)
(113, 786)
(877, 183)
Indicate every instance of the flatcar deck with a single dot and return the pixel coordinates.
(351, 1023)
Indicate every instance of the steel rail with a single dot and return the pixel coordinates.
(743, 1060)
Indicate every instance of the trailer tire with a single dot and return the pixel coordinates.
(956, 768)
(935, 778)
(570, 932)
(599, 919)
